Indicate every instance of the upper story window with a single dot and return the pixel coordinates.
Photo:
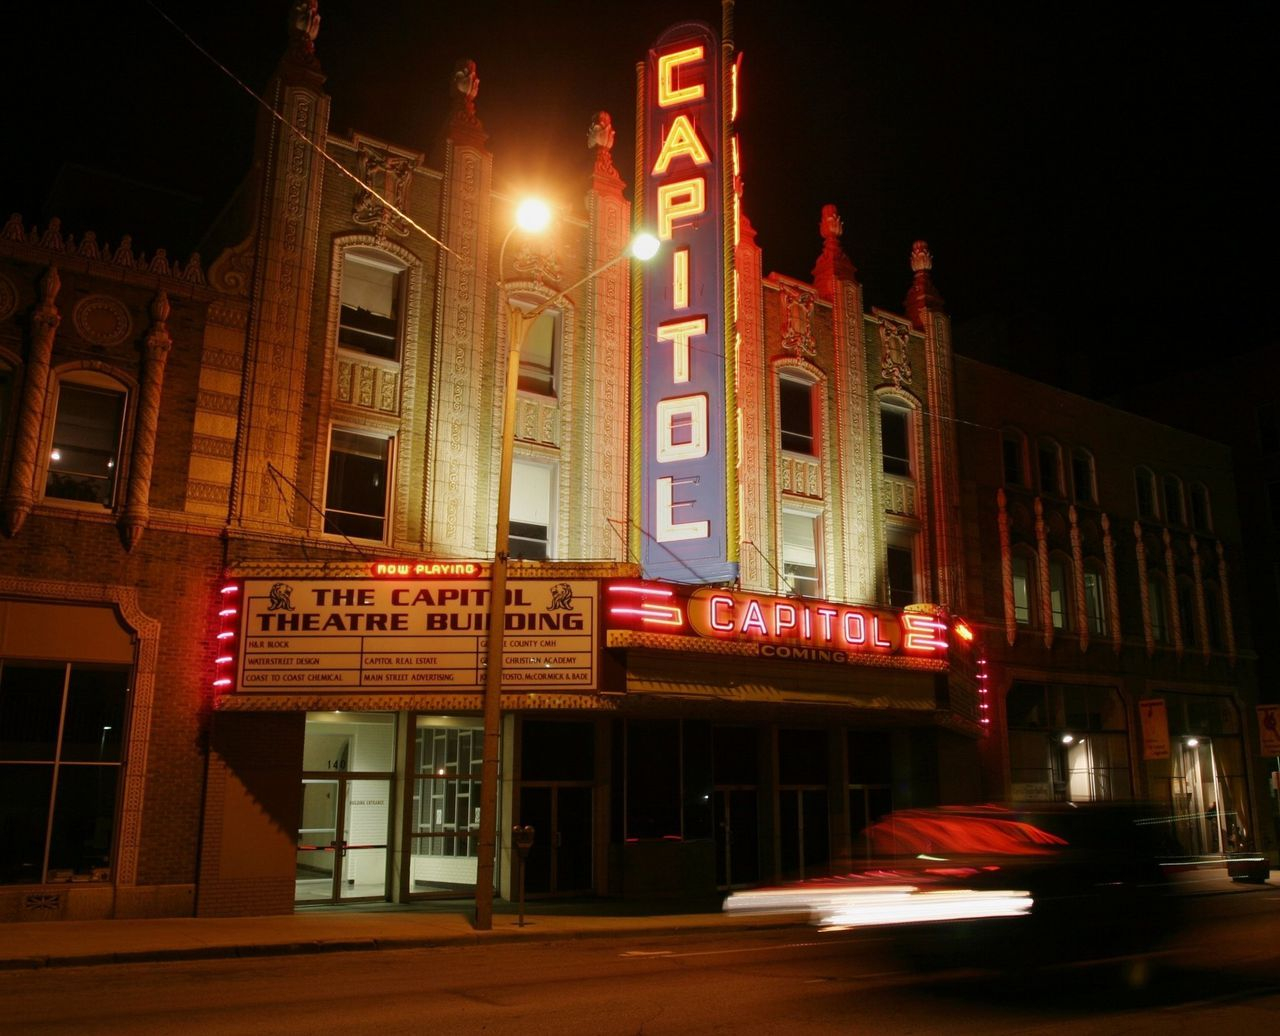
(1158, 603)
(84, 454)
(1201, 515)
(895, 439)
(369, 319)
(1013, 445)
(539, 354)
(1023, 593)
(1083, 484)
(1213, 614)
(796, 415)
(1174, 512)
(532, 496)
(1049, 458)
(355, 499)
(900, 568)
(1187, 612)
(1094, 599)
(801, 553)
(1059, 597)
(1144, 486)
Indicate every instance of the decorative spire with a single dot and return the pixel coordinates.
(304, 27)
(832, 265)
(923, 296)
(600, 136)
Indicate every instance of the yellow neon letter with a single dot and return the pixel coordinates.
(669, 94)
(681, 139)
(676, 200)
(680, 279)
(679, 333)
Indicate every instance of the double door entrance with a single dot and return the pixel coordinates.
(560, 861)
(342, 839)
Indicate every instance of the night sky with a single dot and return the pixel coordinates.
(1090, 177)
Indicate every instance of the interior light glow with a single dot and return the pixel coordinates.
(56, 455)
(1192, 742)
(1067, 739)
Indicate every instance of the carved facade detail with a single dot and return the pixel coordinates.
(895, 364)
(797, 320)
(384, 198)
(900, 496)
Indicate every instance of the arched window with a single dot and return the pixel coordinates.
(1013, 445)
(1158, 605)
(1201, 515)
(1174, 512)
(540, 351)
(1059, 591)
(1095, 607)
(1144, 486)
(85, 446)
(895, 439)
(1023, 566)
(797, 413)
(1083, 484)
(1213, 615)
(371, 297)
(1187, 613)
(1049, 464)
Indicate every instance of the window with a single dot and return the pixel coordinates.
(1201, 516)
(355, 501)
(84, 455)
(1013, 445)
(1050, 460)
(369, 317)
(1173, 510)
(1067, 742)
(800, 553)
(448, 757)
(895, 440)
(795, 410)
(900, 569)
(1094, 600)
(1157, 601)
(1058, 596)
(532, 489)
(61, 735)
(1187, 612)
(1082, 477)
(1022, 594)
(1213, 615)
(538, 355)
(1144, 485)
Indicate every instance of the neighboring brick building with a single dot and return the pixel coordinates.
(1106, 567)
(736, 632)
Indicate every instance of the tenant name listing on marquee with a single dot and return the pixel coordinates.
(375, 634)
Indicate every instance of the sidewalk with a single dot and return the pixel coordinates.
(398, 927)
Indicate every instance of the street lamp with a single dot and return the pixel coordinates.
(531, 217)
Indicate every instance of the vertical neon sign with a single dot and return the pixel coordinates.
(684, 493)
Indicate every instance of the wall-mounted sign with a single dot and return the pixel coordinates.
(420, 635)
(1269, 729)
(792, 628)
(685, 377)
(1153, 715)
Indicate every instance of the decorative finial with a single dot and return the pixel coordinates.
(832, 264)
(600, 136)
(160, 308)
(304, 27)
(464, 125)
(923, 296)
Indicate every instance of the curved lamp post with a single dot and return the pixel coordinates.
(532, 217)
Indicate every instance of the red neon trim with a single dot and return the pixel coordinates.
(228, 611)
(230, 588)
(640, 588)
(223, 660)
(224, 682)
(226, 635)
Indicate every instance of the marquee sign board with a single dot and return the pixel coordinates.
(415, 635)
(685, 496)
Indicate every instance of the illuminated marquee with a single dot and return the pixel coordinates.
(781, 627)
(685, 497)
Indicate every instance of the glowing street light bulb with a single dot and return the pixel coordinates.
(533, 215)
(644, 246)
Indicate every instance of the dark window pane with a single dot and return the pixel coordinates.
(1049, 482)
(870, 758)
(902, 576)
(356, 496)
(802, 756)
(698, 787)
(24, 819)
(1146, 493)
(1082, 477)
(795, 399)
(894, 441)
(1013, 466)
(83, 820)
(1025, 706)
(86, 441)
(653, 779)
(737, 758)
(551, 751)
(94, 725)
(30, 707)
(527, 540)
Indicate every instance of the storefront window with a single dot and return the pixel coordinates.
(448, 757)
(653, 779)
(61, 738)
(1067, 743)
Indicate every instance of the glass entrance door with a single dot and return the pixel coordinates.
(737, 838)
(804, 832)
(560, 860)
(342, 840)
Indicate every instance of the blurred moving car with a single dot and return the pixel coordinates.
(1003, 886)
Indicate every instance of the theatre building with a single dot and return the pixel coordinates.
(249, 513)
